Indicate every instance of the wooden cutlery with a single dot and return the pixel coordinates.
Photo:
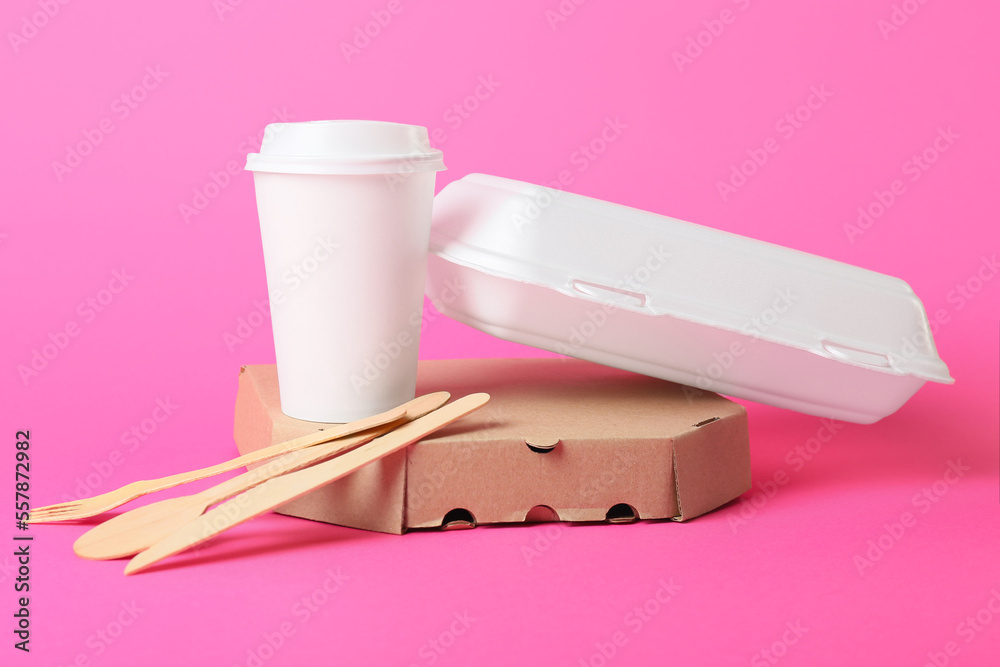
(129, 533)
(88, 507)
(279, 490)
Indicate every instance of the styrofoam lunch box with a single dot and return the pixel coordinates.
(671, 299)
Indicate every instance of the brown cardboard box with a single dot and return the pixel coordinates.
(560, 439)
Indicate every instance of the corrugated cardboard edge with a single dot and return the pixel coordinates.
(711, 465)
(580, 481)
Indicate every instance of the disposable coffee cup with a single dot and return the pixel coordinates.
(345, 213)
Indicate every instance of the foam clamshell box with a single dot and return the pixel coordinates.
(560, 439)
(690, 304)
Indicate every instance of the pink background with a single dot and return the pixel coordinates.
(742, 586)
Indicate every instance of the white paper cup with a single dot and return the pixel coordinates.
(345, 211)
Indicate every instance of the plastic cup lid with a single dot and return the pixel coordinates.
(345, 147)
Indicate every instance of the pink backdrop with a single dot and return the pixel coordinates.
(130, 256)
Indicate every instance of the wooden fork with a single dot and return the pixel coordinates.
(279, 490)
(131, 532)
(88, 507)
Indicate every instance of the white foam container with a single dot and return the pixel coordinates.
(671, 299)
